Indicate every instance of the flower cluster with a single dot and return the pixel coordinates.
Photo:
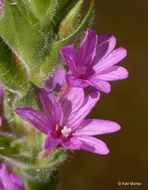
(63, 121)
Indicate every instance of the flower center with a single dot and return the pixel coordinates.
(81, 70)
(66, 131)
(62, 132)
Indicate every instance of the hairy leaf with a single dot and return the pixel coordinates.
(71, 21)
(12, 72)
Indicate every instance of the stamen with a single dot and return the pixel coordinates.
(57, 127)
(66, 131)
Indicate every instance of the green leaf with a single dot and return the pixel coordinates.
(19, 33)
(57, 11)
(49, 13)
(40, 8)
(71, 21)
(25, 152)
(29, 99)
(10, 99)
(18, 150)
(53, 60)
(25, 8)
(5, 145)
(12, 72)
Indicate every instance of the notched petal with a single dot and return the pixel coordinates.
(91, 127)
(51, 106)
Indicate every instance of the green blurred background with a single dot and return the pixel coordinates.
(126, 104)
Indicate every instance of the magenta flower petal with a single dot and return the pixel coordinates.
(69, 56)
(72, 144)
(51, 142)
(77, 117)
(71, 101)
(56, 81)
(4, 177)
(76, 82)
(87, 49)
(91, 127)
(106, 43)
(10, 181)
(113, 58)
(35, 118)
(100, 85)
(16, 181)
(51, 106)
(94, 145)
(114, 73)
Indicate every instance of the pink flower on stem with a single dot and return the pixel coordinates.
(94, 63)
(9, 181)
(64, 121)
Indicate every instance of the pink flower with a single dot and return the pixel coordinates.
(64, 121)
(94, 62)
(56, 81)
(9, 181)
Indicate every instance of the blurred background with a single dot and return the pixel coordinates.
(126, 104)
